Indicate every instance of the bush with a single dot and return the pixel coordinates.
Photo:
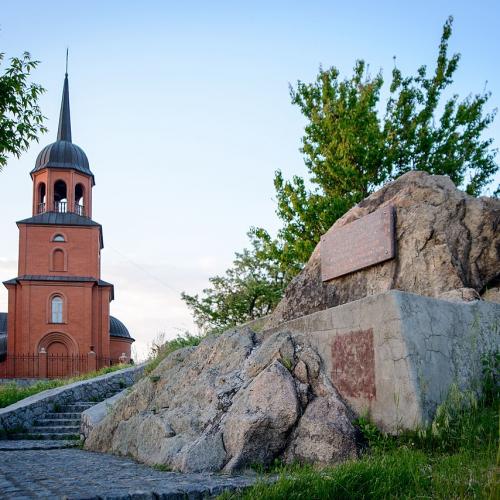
(161, 348)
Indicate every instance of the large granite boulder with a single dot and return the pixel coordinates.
(448, 246)
(245, 397)
(235, 400)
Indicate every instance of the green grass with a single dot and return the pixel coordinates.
(162, 467)
(12, 393)
(400, 473)
(457, 456)
(161, 351)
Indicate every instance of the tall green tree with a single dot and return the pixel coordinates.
(21, 120)
(352, 144)
(350, 148)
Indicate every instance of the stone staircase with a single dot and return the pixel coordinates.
(53, 418)
(63, 424)
(59, 428)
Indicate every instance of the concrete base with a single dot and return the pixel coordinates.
(395, 355)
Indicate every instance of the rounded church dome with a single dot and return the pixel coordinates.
(63, 154)
(118, 329)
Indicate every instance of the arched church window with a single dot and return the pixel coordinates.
(57, 309)
(41, 207)
(58, 260)
(60, 197)
(79, 199)
(58, 237)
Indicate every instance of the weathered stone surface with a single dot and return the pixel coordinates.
(324, 434)
(233, 401)
(260, 418)
(395, 355)
(461, 295)
(91, 417)
(492, 293)
(357, 340)
(446, 241)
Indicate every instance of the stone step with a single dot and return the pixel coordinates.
(56, 429)
(45, 436)
(63, 416)
(51, 422)
(80, 403)
(75, 407)
(37, 444)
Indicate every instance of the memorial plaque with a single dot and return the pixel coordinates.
(353, 364)
(362, 243)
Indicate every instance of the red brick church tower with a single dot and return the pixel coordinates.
(58, 304)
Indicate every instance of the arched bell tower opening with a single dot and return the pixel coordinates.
(60, 197)
(80, 199)
(41, 199)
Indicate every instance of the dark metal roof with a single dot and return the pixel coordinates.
(64, 129)
(72, 279)
(62, 219)
(63, 153)
(59, 218)
(43, 277)
(118, 329)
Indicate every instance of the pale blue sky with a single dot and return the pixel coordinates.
(184, 113)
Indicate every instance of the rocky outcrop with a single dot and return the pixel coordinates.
(235, 400)
(246, 397)
(448, 246)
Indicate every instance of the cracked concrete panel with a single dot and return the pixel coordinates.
(421, 346)
(447, 341)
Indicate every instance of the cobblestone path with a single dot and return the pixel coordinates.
(78, 474)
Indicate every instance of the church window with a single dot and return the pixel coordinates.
(58, 237)
(57, 309)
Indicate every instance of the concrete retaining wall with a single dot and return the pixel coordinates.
(396, 354)
(22, 414)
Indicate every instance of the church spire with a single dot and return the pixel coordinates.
(64, 131)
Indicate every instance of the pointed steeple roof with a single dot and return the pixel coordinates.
(63, 153)
(64, 130)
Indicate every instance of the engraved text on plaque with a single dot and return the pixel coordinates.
(362, 243)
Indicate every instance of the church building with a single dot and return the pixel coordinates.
(58, 320)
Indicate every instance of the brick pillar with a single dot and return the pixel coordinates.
(42, 363)
(92, 361)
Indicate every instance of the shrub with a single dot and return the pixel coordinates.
(161, 348)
